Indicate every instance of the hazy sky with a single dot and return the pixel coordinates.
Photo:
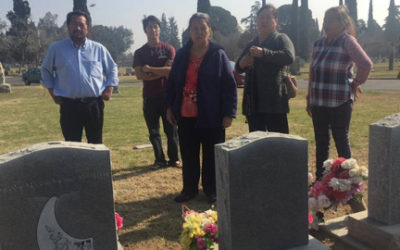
(129, 13)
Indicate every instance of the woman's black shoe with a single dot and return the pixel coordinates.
(182, 197)
(212, 199)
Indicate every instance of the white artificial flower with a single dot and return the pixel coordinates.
(349, 164)
(312, 204)
(334, 183)
(364, 172)
(355, 172)
(323, 201)
(344, 185)
(310, 178)
(356, 179)
(327, 164)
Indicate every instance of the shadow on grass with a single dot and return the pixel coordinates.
(155, 218)
(125, 173)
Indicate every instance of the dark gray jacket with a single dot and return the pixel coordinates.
(263, 91)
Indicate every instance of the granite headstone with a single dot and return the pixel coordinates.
(57, 195)
(262, 192)
(384, 170)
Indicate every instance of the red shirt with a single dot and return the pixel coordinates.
(189, 102)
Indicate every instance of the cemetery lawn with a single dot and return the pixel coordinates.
(144, 196)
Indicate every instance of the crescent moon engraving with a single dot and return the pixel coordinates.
(51, 236)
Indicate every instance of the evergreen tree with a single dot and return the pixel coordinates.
(391, 33)
(164, 28)
(250, 22)
(203, 6)
(169, 31)
(81, 5)
(370, 14)
(306, 25)
(294, 25)
(173, 33)
(352, 6)
(223, 21)
(22, 34)
(263, 3)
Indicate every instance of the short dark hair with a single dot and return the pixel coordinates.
(78, 13)
(270, 7)
(150, 19)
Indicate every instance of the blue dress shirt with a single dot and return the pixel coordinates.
(78, 71)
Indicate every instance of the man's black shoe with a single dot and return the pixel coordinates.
(182, 197)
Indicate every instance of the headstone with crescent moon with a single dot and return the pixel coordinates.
(4, 87)
(57, 195)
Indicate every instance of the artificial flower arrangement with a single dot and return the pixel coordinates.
(200, 230)
(342, 181)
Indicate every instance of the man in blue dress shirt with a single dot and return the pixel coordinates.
(79, 74)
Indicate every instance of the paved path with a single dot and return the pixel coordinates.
(371, 84)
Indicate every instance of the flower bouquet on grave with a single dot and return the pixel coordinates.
(341, 182)
(200, 230)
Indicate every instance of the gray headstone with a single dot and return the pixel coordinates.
(262, 192)
(4, 87)
(384, 170)
(57, 195)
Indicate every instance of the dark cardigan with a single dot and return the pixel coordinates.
(262, 91)
(216, 86)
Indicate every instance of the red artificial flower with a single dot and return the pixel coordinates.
(336, 165)
(338, 195)
(119, 221)
(343, 175)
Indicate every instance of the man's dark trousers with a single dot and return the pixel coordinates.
(154, 108)
(76, 114)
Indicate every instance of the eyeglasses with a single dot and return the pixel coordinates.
(80, 25)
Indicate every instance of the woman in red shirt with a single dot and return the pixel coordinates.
(201, 99)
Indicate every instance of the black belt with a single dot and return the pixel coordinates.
(81, 99)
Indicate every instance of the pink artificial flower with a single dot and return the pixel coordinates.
(189, 212)
(119, 221)
(310, 218)
(212, 229)
(201, 244)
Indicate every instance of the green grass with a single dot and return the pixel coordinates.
(143, 196)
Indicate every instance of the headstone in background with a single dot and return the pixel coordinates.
(262, 192)
(57, 195)
(4, 87)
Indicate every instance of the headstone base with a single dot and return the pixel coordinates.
(313, 244)
(358, 232)
(5, 88)
(373, 233)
